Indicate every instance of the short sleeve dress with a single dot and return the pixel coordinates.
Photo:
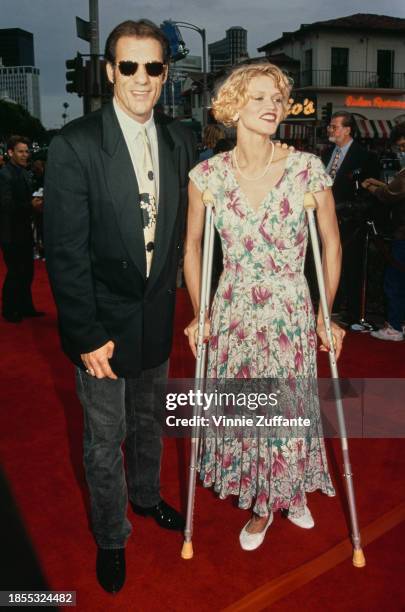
(263, 326)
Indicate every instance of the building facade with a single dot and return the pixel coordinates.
(228, 51)
(16, 47)
(21, 84)
(355, 63)
(19, 78)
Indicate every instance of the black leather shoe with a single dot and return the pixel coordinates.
(12, 317)
(165, 516)
(110, 568)
(33, 313)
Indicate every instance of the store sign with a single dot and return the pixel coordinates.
(302, 108)
(377, 102)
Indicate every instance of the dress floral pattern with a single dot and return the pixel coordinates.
(262, 326)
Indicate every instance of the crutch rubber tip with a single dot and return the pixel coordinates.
(358, 558)
(187, 550)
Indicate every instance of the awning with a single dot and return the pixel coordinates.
(292, 131)
(374, 128)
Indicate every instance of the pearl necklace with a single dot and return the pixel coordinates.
(255, 178)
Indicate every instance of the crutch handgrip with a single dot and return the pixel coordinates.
(309, 200)
(208, 198)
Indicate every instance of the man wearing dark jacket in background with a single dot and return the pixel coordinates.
(345, 162)
(16, 210)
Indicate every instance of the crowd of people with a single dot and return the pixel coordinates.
(118, 185)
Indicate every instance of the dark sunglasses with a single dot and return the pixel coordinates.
(128, 68)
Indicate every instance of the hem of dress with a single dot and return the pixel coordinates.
(245, 506)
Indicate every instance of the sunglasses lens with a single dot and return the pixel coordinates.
(154, 69)
(128, 68)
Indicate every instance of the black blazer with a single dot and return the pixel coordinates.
(94, 241)
(15, 205)
(344, 186)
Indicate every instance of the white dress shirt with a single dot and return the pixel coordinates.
(130, 129)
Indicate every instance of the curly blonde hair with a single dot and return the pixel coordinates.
(232, 93)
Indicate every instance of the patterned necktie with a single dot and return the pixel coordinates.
(147, 198)
(334, 167)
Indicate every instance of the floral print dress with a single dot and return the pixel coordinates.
(263, 326)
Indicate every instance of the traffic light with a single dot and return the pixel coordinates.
(178, 49)
(327, 112)
(98, 86)
(75, 75)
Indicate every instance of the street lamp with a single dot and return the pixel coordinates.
(64, 114)
(201, 31)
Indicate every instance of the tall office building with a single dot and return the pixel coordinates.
(228, 51)
(16, 47)
(19, 78)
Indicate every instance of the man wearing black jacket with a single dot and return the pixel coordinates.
(16, 210)
(347, 163)
(115, 205)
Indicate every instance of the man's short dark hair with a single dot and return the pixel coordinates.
(13, 141)
(347, 121)
(397, 132)
(141, 29)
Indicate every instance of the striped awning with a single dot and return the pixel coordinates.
(374, 128)
(290, 131)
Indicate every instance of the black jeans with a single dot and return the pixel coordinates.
(116, 411)
(353, 239)
(394, 286)
(17, 297)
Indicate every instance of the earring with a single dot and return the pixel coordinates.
(235, 118)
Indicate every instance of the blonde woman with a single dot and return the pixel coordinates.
(262, 323)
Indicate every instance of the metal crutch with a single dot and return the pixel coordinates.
(205, 292)
(358, 555)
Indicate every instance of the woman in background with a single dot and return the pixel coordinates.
(211, 135)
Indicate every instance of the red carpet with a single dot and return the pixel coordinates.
(40, 449)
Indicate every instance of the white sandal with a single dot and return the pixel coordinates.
(306, 521)
(251, 541)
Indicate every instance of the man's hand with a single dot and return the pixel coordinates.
(372, 182)
(97, 363)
